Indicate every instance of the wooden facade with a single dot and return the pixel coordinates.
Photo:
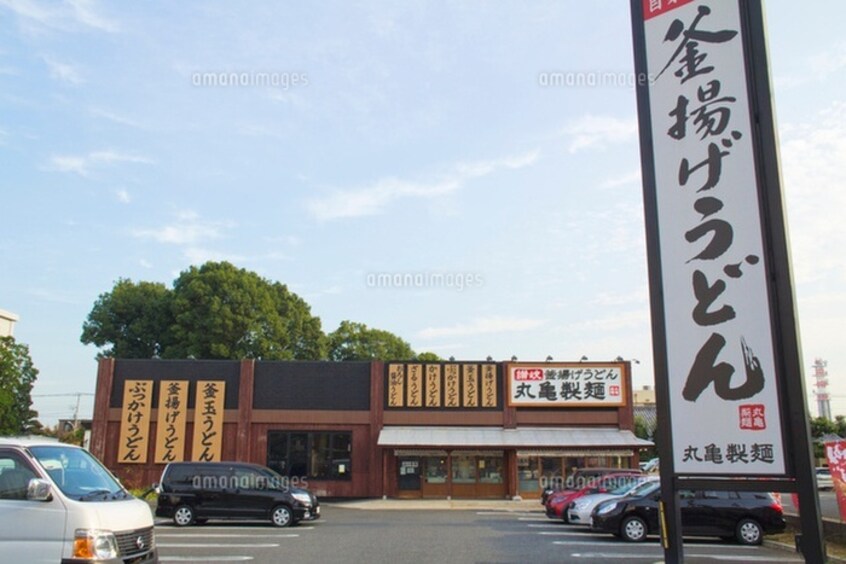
(353, 399)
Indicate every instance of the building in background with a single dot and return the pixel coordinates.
(644, 407)
(7, 323)
(458, 429)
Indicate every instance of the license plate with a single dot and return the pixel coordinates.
(317, 510)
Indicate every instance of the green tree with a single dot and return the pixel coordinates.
(214, 311)
(355, 341)
(132, 318)
(17, 375)
(645, 430)
(428, 357)
(223, 312)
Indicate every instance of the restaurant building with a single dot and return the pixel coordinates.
(370, 429)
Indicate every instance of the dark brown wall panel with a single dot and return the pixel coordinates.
(312, 385)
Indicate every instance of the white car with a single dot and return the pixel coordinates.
(579, 511)
(824, 479)
(59, 504)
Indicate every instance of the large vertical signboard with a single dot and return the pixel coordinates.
(208, 420)
(170, 427)
(135, 421)
(711, 253)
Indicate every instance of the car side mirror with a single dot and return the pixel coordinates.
(39, 490)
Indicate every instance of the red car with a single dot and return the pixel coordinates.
(557, 503)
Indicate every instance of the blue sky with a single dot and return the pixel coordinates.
(367, 138)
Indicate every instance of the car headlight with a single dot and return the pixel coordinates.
(580, 505)
(606, 508)
(302, 497)
(93, 544)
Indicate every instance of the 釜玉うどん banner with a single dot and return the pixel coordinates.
(720, 357)
(562, 385)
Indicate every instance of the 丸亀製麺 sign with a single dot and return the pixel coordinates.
(170, 426)
(208, 421)
(135, 421)
(563, 385)
(709, 244)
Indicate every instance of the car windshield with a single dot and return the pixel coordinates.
(78, 474)
(625, 488)
(645, 488)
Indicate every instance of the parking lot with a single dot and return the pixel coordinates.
(361, 535)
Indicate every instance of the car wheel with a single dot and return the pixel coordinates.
(634, 529)
(749, 532)
(281, 516)
(183, 516)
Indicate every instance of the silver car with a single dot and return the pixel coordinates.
(579, 511)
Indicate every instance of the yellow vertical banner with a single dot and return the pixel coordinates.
(170, 425)
(415, 385)
(208, 420)
(488, 385)
(451, 397)
(135, 421)
(396, 385)
(471, 385)
(433, 385)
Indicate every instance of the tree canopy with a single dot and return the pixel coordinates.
(215, 311)
(356, 341)
(219, 311)
(17, 375)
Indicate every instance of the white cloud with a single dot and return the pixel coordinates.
(69, 15)
(123, 196)
(830, 62)
(591, 131)
(812, 155)
(116, 118)
(482, 326)
(373, 199)
(82, 164)
(63, 71)
(632, 177)
(189, 229)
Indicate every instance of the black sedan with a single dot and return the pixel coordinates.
(744, 516)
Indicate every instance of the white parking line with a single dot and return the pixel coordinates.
(726, 557)
(632, 545)
(224, 535)
(205, 558)
(566, 533)
(539, 519)
(197, 545)
(509, 513)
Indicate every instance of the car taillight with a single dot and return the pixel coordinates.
(776, 505)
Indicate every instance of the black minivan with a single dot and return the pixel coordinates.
(193, 492)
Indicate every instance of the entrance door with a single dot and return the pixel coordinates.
(408, 480)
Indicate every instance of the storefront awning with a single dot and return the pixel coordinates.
(524, 438)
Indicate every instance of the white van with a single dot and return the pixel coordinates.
(58, 504)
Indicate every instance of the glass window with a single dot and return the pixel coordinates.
(77, 473)
(463, 470)
(527, 473)
(436, 470)
(321, 456)
(490, 469)
(15, 475)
